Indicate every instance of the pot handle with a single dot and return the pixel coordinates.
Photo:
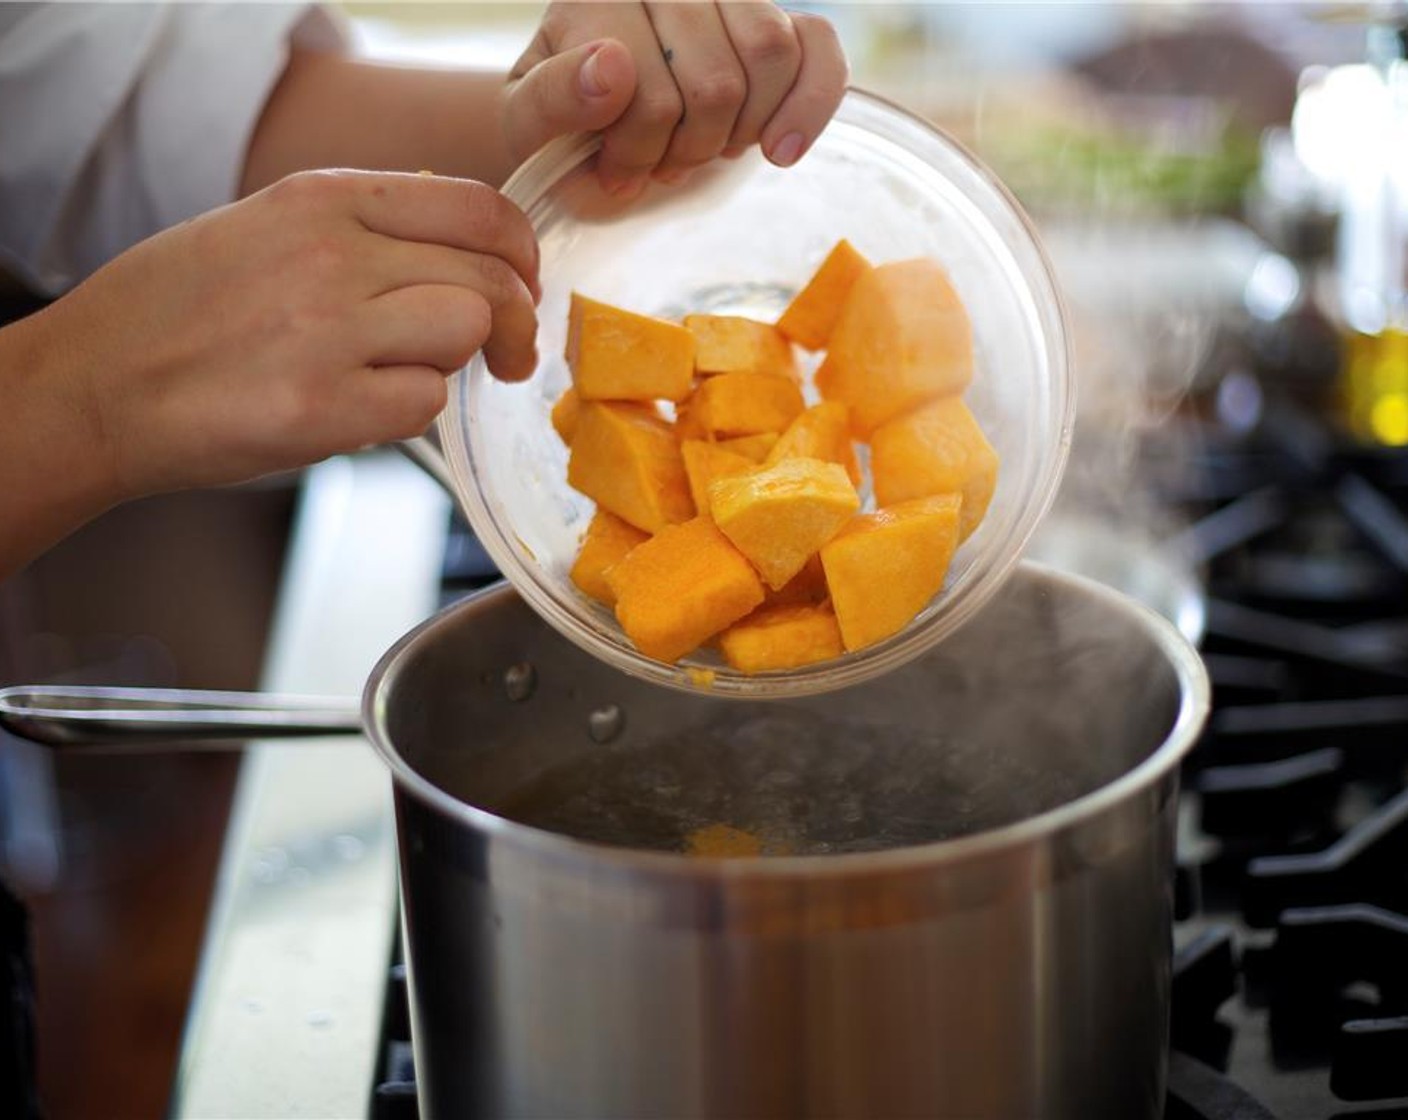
(82, 716)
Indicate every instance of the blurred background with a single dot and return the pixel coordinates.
(1221, 189)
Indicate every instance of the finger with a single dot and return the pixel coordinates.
(509, 332)
(490, 307)
(711, 83)
(436, 325)
(442, 211)
(814, 97)
(636, 143)
(585, 89)
(766, 43)
(384, 403)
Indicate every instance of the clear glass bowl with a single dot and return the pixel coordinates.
(741, 237)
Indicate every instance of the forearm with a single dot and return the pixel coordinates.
(53, 476)
(331, 111)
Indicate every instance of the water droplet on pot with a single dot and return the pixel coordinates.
(519, 681)
(606, 723)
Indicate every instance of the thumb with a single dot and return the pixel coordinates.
(584, 89)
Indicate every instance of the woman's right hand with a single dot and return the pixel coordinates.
(317, 316)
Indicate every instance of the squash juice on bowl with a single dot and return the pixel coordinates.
(737, 243)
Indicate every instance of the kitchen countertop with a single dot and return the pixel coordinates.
(287, 1006)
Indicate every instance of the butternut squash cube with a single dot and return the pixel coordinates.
(687, 423)
(681, 587)
(607, 541)
(704, 462)
(733, 344)
(812, 314)
(883, 568)
(627, 461)
(564, 415)
(780, 515)
(781, 638)
(744, 404)
(822, 432)
(755, 448)
(903, 338)
(617, 355)
(807, 587)
(936, 449)
(722, 841)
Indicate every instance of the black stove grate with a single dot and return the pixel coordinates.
(1292, 973)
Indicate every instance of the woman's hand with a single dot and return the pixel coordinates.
(315, 317)
(672, 85)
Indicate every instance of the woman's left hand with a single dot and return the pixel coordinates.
(671, 85)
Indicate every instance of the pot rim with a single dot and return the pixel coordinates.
(1195, 693)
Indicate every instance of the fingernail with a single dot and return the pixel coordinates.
(671, 178)
(733, 152)
(788, 150)
(590, 76)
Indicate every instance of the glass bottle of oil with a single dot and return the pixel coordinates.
(1373, 385)
(1372, 256)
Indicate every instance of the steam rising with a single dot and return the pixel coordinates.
(1149, 307)
(1048, 695)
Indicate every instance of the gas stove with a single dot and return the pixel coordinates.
(1290, 1000)
(1292, 893)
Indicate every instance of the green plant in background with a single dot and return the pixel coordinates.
(1052, 167)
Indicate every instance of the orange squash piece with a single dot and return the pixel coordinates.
(733, 344)
(782, 638)
(607, 541)
(627, 461)
(812, 314)
(564, 415)
(883, 568)
(687, 423)
(722, 841)
(821, 432)
(754, 448)
(704, 462)
(681, 587)
(744, 404)
(780, 515)
(807, 587)
(903, 338)
(617, 355)
(936, 449)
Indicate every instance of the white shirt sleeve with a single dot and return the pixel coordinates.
(118, 120)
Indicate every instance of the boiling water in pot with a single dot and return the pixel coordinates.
(798, 782)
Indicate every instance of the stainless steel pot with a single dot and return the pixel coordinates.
(1018, 968)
